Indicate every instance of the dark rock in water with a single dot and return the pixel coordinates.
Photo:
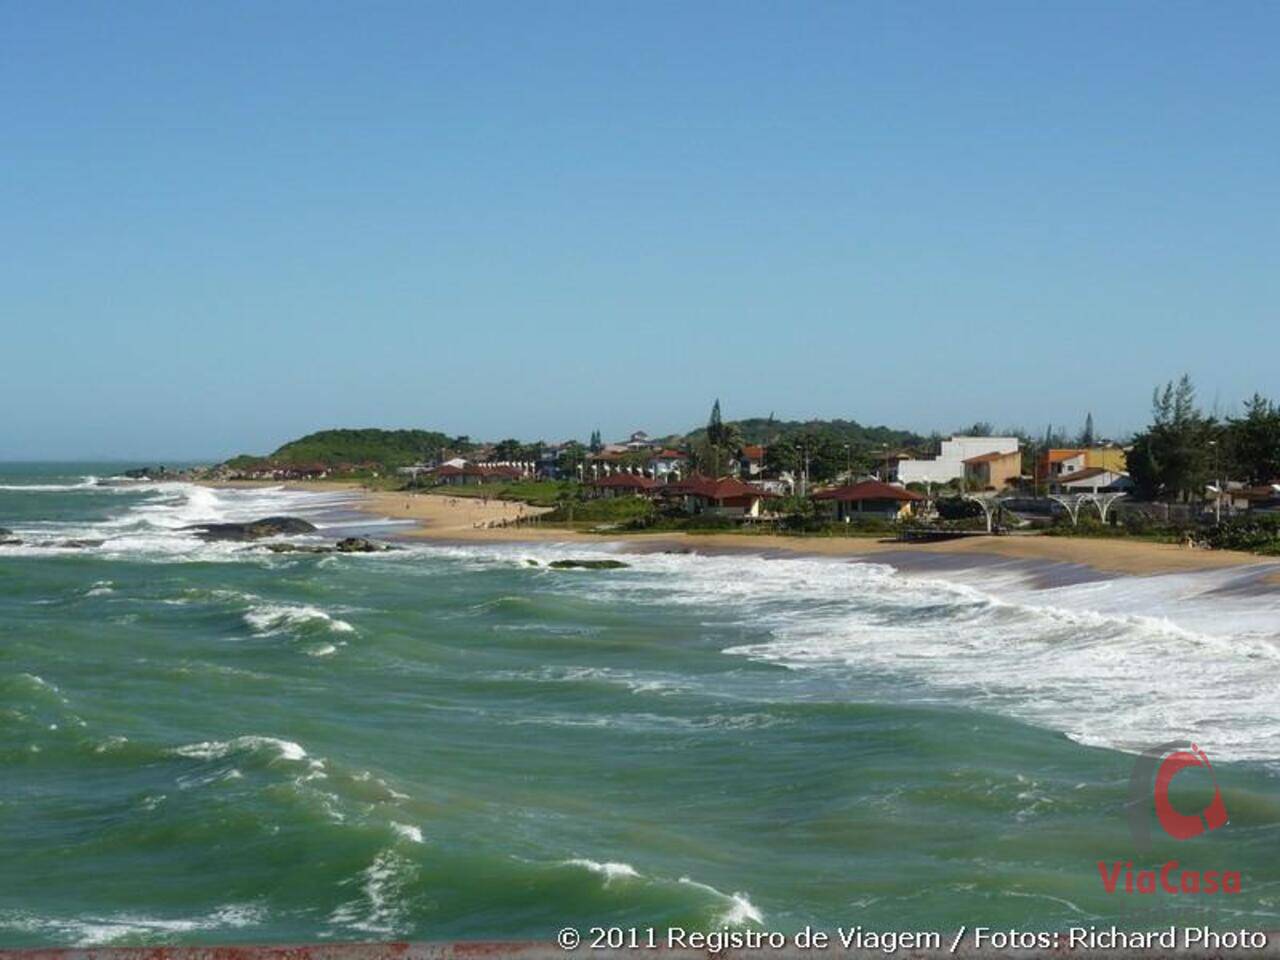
(5, 532)
(80, 544)
(254, 529)
(531, 562)
(297, 548)
(10, 542)
(361, 545)
(587, 564)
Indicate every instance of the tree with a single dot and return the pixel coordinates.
(572, 456)
(1173, 458)
(1253, 441)
(595, 443)
(715, 426)
(507, 450)
(719, 444)
(1086, 435)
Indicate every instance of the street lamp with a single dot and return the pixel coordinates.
(1217, 483)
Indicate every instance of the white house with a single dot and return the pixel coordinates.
(949, 463)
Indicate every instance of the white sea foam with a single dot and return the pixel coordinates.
(739, 910)
(85, 483)
(407, 831)
(101, 930)
(1123, 662)
(153, 524)
(381, 908)
(271, 618)
(610, 870)
(219, 749)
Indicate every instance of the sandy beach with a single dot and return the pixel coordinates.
(446, 518)
(441, 517)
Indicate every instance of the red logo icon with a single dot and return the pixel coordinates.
(1153, 772)
(1183, 826)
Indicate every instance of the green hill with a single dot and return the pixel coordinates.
(390, 448)
(766, 430)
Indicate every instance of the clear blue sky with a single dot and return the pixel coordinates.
(226, 224)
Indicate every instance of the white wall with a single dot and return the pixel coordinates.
(949, 464)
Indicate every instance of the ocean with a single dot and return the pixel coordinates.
(211, 743)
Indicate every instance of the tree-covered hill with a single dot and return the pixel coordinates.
(390, 448)
(766, 430)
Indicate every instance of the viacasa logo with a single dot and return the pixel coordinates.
(1153, 774)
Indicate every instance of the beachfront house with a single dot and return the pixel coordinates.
(1061, 461)
(949, 464)
(870, 499)
(453, 475)
(1091, 480)
(992, 471)
(666, 464)
(726, 497)
(751, 461)
(624, 485)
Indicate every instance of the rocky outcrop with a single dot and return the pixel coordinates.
(347, 545)
(361, 545)
(253, 530)
(587, 564)
(7, 539)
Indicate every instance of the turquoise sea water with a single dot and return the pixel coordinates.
(211, 743)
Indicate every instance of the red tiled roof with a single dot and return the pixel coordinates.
(868, 490)
(668, 455)
(625, 481)
(1088, 473)
(722, 489)
(1057, 456)
(754, 452)
(991, 457)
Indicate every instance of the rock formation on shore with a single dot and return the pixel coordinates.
(253, 530)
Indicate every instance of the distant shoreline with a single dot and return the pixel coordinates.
(440, 517)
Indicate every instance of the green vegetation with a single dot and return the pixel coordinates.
(1184, 450)
(386, 448)
(539, 493)
(614, 510)
(1260, 534)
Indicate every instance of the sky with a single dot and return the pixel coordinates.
(224, 225)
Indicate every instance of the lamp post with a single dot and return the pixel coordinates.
(1217, 483)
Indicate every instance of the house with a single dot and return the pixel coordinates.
(470, 473)
(1057, 462)
(639, 441)
(992, 471)
(666, 463)
(1092, 480)
(751, 460)
(888, 464)
(1265, 499)
(624, 485)
(870, 499)
(726, 497)
(949, 464)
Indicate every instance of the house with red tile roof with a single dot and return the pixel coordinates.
(871, 499)
(725, 497)
(751, 460)
(624, 485)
